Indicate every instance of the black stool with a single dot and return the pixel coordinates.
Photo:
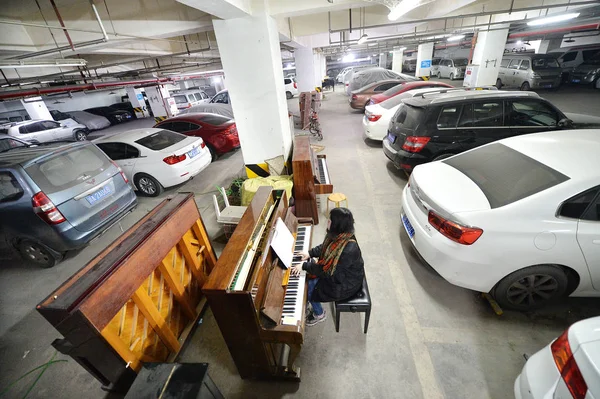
(360, 302)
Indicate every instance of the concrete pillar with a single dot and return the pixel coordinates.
(309, 66)
(548, 45)
(137, 102)
(488, 55)
(251, 58)
(36, 108)
(383, 60)
(397, 56)
(424, 55)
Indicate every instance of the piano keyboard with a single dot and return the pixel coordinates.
(323, 172)
(293, 302)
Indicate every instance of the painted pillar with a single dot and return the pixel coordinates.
(547, 45)
(36, 108)
(487, 56)
(383, 60)
(397, 57)
(251, 58)
(136, 97)
(308, 68)
(424, 55)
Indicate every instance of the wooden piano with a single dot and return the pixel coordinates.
(138, 299)
(311, 177)
(258, 306)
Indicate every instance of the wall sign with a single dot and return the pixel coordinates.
(426, 64)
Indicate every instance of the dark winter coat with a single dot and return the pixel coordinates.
(346, 279)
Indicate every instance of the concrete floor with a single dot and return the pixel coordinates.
(426, 339)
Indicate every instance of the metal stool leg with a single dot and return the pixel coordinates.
(337, 321)
(367, 315)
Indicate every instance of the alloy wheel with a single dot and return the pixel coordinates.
(36, 254)
(532, 289)
(80, 136)
(147, 186)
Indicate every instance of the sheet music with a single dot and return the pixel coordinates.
(282, 243)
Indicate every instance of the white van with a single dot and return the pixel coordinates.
(571, 59)
(187, 99)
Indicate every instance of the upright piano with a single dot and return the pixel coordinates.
(311, 177)
(138, 300)
(258, 305)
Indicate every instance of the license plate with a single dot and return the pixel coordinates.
(408, 227)
(193, 152)
(98, 195)
(548, 86)
(392, 138)
(576, 80)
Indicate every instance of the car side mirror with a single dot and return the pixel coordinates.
(565, 123)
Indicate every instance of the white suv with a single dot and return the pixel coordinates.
(291, 87)
(43, 131)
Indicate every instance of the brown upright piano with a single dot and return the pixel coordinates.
(258, 306)
(311, 177)
(138, 300)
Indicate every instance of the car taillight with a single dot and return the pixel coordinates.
(202, 145)
(173, 159)
(45, 209)
(567, 366)
(373, 117)
(415, 143)
(121, 172)
(295, 85)
(354, 96)
(454, 231)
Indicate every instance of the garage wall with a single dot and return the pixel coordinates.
(83, 100)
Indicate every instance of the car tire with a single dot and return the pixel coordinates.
(532, 287)
(596, 84)
(148, 185)
(37, 254)
(443, 156)
(451, 76)
(439, 75)
(525, 86)
(498, 84)
(79, 135)
(213, 153)
(289, 95)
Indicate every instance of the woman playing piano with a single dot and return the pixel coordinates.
(338, 273)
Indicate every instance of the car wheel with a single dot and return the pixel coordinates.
(80, 135)
(597, 84)
(439, 75)
(532, 287)
(289, 95)
(443, 156)
(38, 254)
(525, 86)
(498, 84)
(451, 76)
(213, 153)
(148, 185)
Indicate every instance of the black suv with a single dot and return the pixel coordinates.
(435, 126)
(113, 115)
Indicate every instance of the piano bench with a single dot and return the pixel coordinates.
(359, 302)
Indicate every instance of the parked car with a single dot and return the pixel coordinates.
(588, 72)
(42, 131)
(365, 77)
(518, 218)
(187, 99)
(436, 126)
(125, 106)
(221, 97)
(435, 66)
(360, 97)
(409, 65)
(218, 132)
(571, 59)
(7, 143)
(406, 86)
(347, 76)
(378, 116)
(63, 118)
(211, 108)
(91, 121)
(529, 71)
(566, 368)
(56, 198)
(156, 158)
(291, 88)
(115, 116)
(452, 68)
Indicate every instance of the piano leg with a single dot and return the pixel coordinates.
(293, 371)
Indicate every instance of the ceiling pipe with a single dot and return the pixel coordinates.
(99, 20)
(62, 23)
(555, 30)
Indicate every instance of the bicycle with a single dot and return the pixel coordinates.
(314, 126)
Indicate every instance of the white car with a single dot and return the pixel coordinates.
(43, 131)
(519, 218)
(291, 88)
(567, 368)
(156, 158)
(378, 116)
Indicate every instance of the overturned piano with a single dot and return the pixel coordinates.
(258, 305)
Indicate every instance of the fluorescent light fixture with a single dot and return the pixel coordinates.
(363, 39)
(402, 8)
(348, 57)
(374, 55)
(455, 38)
(75, 62)
(554, 19)
(519, 42)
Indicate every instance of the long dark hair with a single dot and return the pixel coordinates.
(342, 221)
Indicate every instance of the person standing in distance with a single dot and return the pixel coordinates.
(339, 270)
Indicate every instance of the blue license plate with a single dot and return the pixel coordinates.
(391, 138)
(576, 80)
(193, 152)
(408, 227)
(548, 86)
(104, 192)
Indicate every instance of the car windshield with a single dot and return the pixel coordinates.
(394, 90)
(460, 62)
(68, 169)
(505, 175)
(180, 99)
(544, 63)
(161, 140)
(7, 144)
(214, 120)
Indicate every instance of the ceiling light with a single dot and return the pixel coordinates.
(374, 55)
(552, 20)
(363, 39)
(455, 38)
(75, 62)
(402, 8)
(519, 42)
(348, 58)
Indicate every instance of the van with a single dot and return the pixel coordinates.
(452, 68)
(56, 198)
(529, 71)
(569, 60)
(187, 99)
